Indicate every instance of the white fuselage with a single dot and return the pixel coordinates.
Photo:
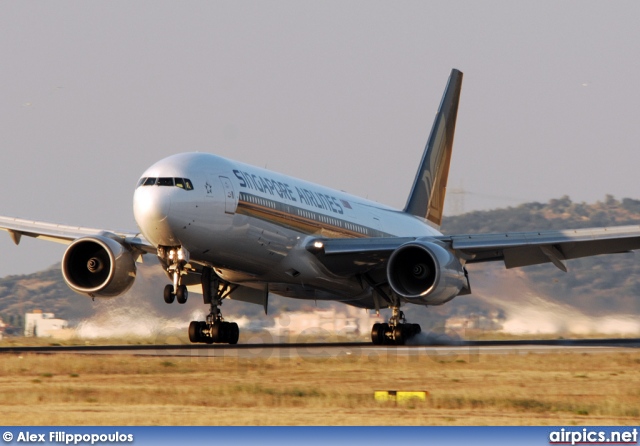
(251, 224)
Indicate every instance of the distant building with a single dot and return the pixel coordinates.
(352, 321)
(39, 324)
(2, 327)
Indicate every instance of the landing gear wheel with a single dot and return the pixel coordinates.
(168, 294)
(182, 294)
(228, 333)
(195, 333)
(399, 334)
(233, 333)
(377, 334)
(214, 334)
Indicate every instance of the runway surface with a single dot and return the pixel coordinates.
(438, 351)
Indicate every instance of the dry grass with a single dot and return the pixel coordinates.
(487, 389)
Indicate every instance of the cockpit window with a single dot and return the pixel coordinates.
(182, 183)
(165, 182)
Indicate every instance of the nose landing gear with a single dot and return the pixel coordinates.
(181, 295)
(176, 261)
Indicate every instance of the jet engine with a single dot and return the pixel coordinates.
(424, 272)
(98, 266)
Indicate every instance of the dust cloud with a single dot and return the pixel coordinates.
(533, 314)
(526, 311)
(115, 320)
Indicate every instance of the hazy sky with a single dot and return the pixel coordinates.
(341, 93)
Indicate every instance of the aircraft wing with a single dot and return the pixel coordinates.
(515, 249)
(17, 227)
(531, 248)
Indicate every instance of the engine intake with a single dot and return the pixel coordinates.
(425, 272)
(98, 266)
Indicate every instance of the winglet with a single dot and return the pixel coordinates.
(429, 187)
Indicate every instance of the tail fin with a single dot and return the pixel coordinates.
(427, 194)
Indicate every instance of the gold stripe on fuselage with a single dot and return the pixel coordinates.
(308, 222)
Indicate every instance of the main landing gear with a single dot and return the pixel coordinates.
(396, 332)
(215, 328)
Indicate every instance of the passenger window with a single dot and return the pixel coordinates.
(150, 181)
(187, 184)
(179, 182)
(165, 182)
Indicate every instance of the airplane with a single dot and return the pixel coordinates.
(230, 230)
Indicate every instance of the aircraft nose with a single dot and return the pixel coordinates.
(151, 208)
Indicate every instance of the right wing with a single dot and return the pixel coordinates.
(17, 228)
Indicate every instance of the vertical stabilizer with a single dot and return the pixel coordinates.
(429, 187)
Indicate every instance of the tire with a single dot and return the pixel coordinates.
(233, 333)
(215, 334)
(195, 335)
(377, 335)
(224, 332)
(182, 294)
(168, 294)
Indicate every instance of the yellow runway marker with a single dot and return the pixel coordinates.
(400, 396)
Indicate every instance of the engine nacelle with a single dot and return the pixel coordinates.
(424, 272)
(98, 266)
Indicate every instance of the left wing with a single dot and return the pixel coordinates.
(531, 248)
(516, 249)
(17, 227)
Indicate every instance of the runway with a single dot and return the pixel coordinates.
(437, 351)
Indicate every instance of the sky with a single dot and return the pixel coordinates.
(341, 93)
